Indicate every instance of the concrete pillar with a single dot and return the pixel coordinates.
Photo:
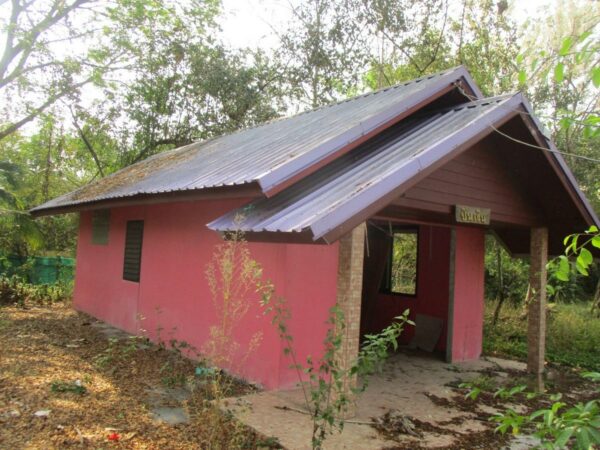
(349, 298)
(536, 318)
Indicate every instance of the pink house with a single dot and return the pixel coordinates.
(378, 203)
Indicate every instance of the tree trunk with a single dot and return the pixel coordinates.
(501, 296)
(596, 300)
(46, 185)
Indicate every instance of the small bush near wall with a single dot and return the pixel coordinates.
(15, 291)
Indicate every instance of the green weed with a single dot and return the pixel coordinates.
(572, 335)
(74, 387)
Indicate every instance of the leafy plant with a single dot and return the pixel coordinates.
(472, 390)
(576, 246)
(74, 387)
(509, 421)
(118, 351)
(508, 392)
(233, 277)
(170, 376)
(576, 427)
(330, 389)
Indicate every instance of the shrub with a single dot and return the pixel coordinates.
(14, 291)
(572, 335)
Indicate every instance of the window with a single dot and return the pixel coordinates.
(401, 270)
(100, 226)
(133, 250)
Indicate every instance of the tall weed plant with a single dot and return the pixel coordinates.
(233, 277)
(329, 387)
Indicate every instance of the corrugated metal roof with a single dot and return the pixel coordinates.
(340, 190)
(268, 154)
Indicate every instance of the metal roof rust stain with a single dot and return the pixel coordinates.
(133, 173)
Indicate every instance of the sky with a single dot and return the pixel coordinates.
(247, 23)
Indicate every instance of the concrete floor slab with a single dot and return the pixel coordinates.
(407, 384)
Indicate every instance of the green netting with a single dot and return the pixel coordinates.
(38, 269)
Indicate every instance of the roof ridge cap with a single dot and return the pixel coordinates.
(339, 102)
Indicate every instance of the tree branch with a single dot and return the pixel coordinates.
(25, 45)
(87, 143)
(11, 128)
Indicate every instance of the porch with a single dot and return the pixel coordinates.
(414, 384)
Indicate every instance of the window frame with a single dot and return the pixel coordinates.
(386, 282)
(126, 273)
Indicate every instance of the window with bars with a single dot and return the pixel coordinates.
(134, 236)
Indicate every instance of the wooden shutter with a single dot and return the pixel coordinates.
(100, 226)
(133, 250)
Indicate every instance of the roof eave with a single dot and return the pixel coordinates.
(248, 190)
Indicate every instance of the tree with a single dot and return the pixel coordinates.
(560, 70)
(35, 71)
(17, 230)
(324, 50)
(427, 36)
(182, 85)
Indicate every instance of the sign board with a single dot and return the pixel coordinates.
(472, 214)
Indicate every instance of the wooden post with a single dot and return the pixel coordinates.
(349, 299)
(536, 329)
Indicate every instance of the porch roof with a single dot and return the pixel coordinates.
(333, 200)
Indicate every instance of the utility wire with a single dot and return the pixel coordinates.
(527, 144)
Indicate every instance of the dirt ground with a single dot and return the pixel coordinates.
(68, 381)
(63, 384)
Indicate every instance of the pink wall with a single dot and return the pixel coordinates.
(173, 294)
(467, 300)
(432, 287)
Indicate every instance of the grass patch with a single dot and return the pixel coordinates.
(573, 335)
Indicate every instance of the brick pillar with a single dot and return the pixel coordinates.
(349, 298)
(536, 318)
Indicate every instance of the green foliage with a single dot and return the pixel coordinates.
(506, 393)
(557, 426)
(118, 351)
(472, 390)
(183, 85)
(578, 247)
(594, 376)
(74, 387)
(505, 276)
(14, 291)
(509, 421)
(571, 337)
(417, 38)
(576, 427)
(478, 385)
(376, 349)
(404, 263)
(559, 70)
